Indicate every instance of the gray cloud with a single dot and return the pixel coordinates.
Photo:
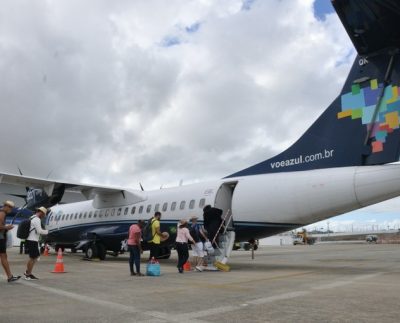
(92, 92)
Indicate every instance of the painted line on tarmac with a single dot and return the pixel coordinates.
(153, 315)
(274, 298)
(192, 316)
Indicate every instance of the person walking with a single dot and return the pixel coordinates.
(199, 236)
(32, 242)
(135, 247)
(182, 238)
(156, 234)
(6, 209)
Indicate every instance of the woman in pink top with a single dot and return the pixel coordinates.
(182, 238)
(135, 247)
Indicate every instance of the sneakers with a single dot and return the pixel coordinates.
(139, 274)
(198, 268)
(13, 278)
(30, 277)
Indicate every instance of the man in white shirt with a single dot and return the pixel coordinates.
(32, 242)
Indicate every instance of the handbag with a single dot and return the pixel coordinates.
(153, 268)
(209, 248)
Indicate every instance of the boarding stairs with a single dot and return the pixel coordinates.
(222, 242)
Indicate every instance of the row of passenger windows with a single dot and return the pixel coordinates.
(139, 209)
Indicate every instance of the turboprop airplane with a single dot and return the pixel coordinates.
(337, 165)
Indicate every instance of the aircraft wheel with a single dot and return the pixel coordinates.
(101, 251)
(91, 251)
(165, 253)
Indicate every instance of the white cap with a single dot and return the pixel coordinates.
(42, 209)
(9, 203)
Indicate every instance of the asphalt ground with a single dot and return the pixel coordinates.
(319, 283)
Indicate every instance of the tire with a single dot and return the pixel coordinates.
(101, 251)
(165, 253)
(91, 251)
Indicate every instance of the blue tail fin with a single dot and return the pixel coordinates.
(362, 125)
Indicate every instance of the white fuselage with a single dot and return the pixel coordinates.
(292, 198)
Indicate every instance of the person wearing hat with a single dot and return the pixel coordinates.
(197, 232)
(6, 209)
(32, 242)
(182, 238)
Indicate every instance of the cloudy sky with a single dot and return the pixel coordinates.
(122, 92)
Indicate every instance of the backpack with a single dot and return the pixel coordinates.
(24, 229)
(195, 232)
(146, 231)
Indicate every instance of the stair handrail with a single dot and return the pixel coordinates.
(227, 214)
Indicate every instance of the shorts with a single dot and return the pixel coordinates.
(3, 246)
(33, 249)
(198, 249)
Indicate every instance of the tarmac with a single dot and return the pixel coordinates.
(336, 282)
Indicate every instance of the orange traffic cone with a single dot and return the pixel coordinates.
(59, 267)
(186, 266)
(46, 251)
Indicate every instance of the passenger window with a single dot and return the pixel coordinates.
(202, 203)
(148, 209)
(90, 214)
(112, 212)
(173, 206)
(107, 212)
(141, 209)
(191, 204)
(85, 215)
(80, 215)
(165, 207)
(126, 210)
(182, 205)
(63, 217)
(95, 214)
(76, 216)
(133, 210)
(157, 207)
(101, 212)
(119, 211)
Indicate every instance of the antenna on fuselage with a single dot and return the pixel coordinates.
(181, 182)
(141, 187)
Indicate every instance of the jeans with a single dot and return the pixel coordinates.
(183, 254)
(134, 257)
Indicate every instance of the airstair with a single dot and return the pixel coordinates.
(222, 242)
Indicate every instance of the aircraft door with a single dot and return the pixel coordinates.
(223, 200)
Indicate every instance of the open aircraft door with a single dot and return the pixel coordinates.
(223, 201)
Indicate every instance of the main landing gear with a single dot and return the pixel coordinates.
(95, 250)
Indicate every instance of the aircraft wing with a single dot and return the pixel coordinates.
(64, 192)
(371, 24)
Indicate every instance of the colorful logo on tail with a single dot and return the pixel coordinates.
(361, 103)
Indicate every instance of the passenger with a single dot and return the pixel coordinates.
(32, 242)
(156, 234)
(212, 222)
(135, 247)
(199, 236)
(6, 209)
(182, 238)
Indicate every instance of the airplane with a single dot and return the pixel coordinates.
(344, 161)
